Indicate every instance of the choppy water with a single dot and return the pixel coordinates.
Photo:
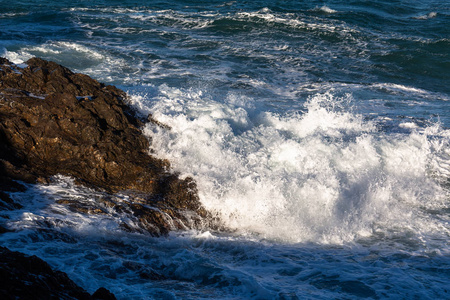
(318, 131)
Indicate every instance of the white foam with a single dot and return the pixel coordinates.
(87, 58)
(321, 118)
(53, 49)
(12, 15)
(16, 57)
(324, 175)
(326, 9)
(399, 87)
(430, 15)
(294, 21)
(169, 18)
(409, 125)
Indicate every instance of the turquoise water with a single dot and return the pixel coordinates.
(317, 131)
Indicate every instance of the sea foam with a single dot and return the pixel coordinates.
(324, 175)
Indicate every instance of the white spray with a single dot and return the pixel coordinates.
(324, 175)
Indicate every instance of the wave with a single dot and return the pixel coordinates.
(297, 21)
(430, 15)
(326, 9)
(165, 17)
(177, 20)
(55, 49)
(320, 171)
(321, 175)
(13, 15)
(81, 57)
(324, 175)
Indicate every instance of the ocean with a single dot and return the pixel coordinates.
(317, 131)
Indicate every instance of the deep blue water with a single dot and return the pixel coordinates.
(317, 130)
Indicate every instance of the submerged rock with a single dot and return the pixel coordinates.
(54, 121)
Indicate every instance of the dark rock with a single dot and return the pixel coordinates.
(4, 230)
(103, 294)
(46, 130)
(8, 185)
(29, 277)
(7, 203)
(54, 121)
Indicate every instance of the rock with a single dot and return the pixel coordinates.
(8, 185)
(103, 294)
(54, 121)
(46, 130)
(29, 277)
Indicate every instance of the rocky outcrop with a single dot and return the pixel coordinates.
(29, 277)
(54, 121)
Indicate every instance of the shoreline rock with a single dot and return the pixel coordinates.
(56, 122)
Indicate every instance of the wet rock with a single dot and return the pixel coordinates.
(29, 277)
(78, 206)
(45, 129)
(54, 121)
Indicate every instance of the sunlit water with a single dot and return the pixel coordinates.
(319, 134)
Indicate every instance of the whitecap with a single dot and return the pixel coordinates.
(409, 125)
(326, 9)
(430, 15)
(12, 15)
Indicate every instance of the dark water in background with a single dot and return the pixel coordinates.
(319, 131)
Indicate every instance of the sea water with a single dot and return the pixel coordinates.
(317, 131)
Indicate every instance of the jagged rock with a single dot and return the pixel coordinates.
(54, 121)
(29, 277)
